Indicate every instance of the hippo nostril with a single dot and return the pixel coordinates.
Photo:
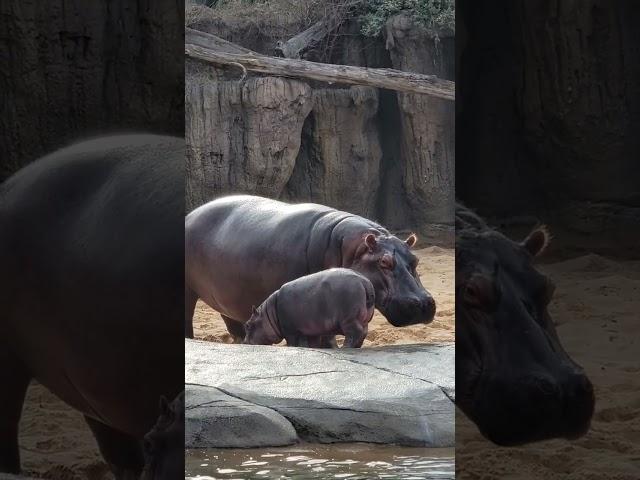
(430, 304)
(580, 385)
(545, 386)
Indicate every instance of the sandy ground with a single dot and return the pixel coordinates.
(55, 441)
(436, 270)
(596, 305)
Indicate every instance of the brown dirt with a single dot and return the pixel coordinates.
(436, 269)
(55, 441)
(596, 306)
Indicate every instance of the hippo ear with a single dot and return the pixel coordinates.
(411, 240)
(370, 241)
(254, 310)
(537, 241)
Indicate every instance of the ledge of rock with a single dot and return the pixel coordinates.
(250, 396)
(215, 419)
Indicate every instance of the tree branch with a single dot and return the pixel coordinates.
(324, 72)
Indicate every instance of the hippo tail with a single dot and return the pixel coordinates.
(370, 294)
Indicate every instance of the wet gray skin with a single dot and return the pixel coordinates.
(514, 380)
(164, 444)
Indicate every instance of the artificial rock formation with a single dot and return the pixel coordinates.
(339, 162)
(399, 394)
(242, 136)
(427, 123)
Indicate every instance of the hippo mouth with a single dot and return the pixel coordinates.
(402, 314)
(509, 415)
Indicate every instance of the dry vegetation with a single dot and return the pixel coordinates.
(293, 16)
(284, 17)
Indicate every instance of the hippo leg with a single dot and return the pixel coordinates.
(328, 341)
(297, 341)
(14, 379)
(235, 328)
(123, 453)
(190, 299)
(354, 334)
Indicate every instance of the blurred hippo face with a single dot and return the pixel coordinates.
(164, 444)
(259, 329)
(391, 267)
(514, 379)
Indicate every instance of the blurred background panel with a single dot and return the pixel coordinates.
(68, 71)
(72, 69)
(548, 131)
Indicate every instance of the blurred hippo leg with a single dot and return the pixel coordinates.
(190, 299)
(297, 341)
(354, 335)
(235, 328)
(122, 452)
(328, 341)
(14, 380)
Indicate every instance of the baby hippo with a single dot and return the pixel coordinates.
(327, 303)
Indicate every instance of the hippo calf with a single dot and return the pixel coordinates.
(332, 302)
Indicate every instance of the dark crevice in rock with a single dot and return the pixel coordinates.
(294, 375)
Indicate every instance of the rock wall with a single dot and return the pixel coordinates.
(339, 163)
(549, 98)
(72, 69)
(372, 152)
(427, 124)
(242, 137)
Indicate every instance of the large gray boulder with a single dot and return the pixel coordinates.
(397, 394)
(215, 419)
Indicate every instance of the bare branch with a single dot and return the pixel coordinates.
(324, 72)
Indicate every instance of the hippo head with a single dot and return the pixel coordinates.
(389, 264)
(514, 379)
(261, 328)
(164, 444)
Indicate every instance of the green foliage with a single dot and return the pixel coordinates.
(427, 13)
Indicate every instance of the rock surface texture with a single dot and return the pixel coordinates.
(242, 137)
(427, 124)
(215, 419)
(339, 162)
(238, 395)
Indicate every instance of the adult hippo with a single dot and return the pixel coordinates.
(513, 378)
(239, 249)
(91, 248)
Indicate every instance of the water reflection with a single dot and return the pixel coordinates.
(350, 461)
